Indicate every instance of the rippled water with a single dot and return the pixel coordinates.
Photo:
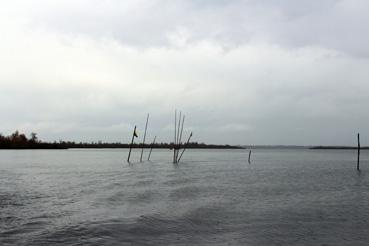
(214, 197)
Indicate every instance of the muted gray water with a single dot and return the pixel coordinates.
(93, 197)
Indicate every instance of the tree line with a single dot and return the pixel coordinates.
(18, 140)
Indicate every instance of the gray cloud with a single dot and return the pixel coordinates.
(248, 72)
(331, 24)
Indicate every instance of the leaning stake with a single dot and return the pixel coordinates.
(188, 140)
(152, 145)
(178, 131)
(250, 156)
(130, 147)
(143, 142)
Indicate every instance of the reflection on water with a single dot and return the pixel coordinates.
(93, 197)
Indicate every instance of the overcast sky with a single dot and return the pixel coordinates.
(243, 72)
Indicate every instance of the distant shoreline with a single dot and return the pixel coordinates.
(318, 147)
(57, 147)
(337, 147)
(19, 140)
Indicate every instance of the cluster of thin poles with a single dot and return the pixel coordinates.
(177, 144)
(143, 142)
(178, 132)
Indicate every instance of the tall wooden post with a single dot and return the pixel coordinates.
(178, 142)
(130, 147)
(358, 152)
(143, 141)
(180, 138)
(178, 132)
(175, 136)
(179, 126)
(152, 145)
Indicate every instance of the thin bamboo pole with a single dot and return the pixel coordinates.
(175, 136)
(179, 126)
(130, 147)
(144, 138)
(184, 149)
(152, 145)
(180, 137)
(178, 132)
(358, 152)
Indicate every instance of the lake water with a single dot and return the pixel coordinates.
(213, 197)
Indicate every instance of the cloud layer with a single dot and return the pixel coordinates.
(244, 72)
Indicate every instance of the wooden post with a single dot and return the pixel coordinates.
(179, 126)
(152, 145)
(175, 136)
(250, 156)
(179, 136)
(358, 152)
(130, 147)
(188, 140)
(178, 132)
(143, 141)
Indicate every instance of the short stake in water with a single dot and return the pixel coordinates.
(249, 157)
(152, 145)
(130, 147)
(358, 152)
(143, 141)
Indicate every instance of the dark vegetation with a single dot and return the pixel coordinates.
(20, 141)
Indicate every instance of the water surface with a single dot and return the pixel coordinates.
(213, 197)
